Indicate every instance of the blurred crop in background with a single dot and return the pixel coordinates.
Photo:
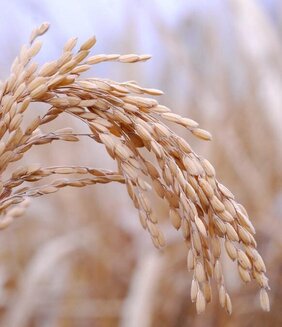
(80, 258)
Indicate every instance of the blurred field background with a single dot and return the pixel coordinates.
(80, 258)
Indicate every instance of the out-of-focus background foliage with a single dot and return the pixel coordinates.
(80, 258)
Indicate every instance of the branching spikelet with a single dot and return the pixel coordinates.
(119, 117)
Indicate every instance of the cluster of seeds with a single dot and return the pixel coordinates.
(130, 126)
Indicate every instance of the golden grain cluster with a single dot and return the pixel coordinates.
(130, 126)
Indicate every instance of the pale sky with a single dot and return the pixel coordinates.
(114, 22)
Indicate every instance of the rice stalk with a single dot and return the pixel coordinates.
(130, 126)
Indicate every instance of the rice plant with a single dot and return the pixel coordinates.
(150, 158)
